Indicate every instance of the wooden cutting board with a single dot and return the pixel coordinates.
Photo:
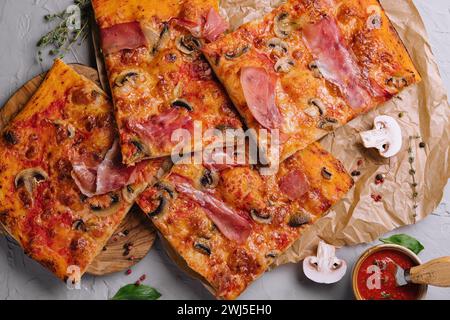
(135, 229)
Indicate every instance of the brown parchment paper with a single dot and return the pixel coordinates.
(358, 218)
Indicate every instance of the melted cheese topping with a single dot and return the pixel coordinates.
(55, 224)
(227, 266)
(366, 36)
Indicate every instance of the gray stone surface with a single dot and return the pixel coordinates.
(20, 278)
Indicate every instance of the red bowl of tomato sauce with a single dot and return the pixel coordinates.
(374, 274)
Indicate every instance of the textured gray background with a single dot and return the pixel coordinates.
(21, 25)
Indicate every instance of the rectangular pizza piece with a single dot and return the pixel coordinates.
(63, 188)
(311, 66)
(160, 82)
(229, 222)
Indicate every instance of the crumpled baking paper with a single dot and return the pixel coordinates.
(425, 118)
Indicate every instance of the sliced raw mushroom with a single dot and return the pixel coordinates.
(230, 55)
(105, 205)
(314, 67)
(299, 219)
(188, 44)
(181, 103)
(397, 82)
(315, 108)
(325, 267)
(261, 216)
(131, 192)
(209, 179)
(386, 136)
(326, 174)
(282, 25)
(278, 46)
(29, 179)
(284, 65)
(125, 77)
(328, 124)
(202, 246)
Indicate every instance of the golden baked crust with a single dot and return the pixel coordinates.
(228, 265)
(40, 204)
(158, 75)
(309, 35)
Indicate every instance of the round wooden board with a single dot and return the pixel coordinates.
(140, 233)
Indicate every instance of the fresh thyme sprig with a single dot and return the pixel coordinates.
(61, 39)
(412, 172)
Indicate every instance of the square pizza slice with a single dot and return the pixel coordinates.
(229, 222)
(311, 66)
(160, 82)
(63, 187)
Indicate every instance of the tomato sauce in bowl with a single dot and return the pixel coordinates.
(374, 275)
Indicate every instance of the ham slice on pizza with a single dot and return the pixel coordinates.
(310, 66)
(159, 80)
(230, 222)
(63, 187)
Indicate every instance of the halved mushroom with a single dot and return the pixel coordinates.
(125, 77)
(230, 55)
(314, 67)
(278, 46)
(29, 179)
(282, 25)
(315, 108)
(202, 246)
(131, 192)
(104, 205)
(386, 136)
(181, 103)
(209, 179)
(298, 219)
(284, 65)
(325, 267)
(259, 216)
(188, 44)
(328, 124)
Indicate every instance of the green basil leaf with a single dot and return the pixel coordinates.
(137, 292)
(405, 241)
